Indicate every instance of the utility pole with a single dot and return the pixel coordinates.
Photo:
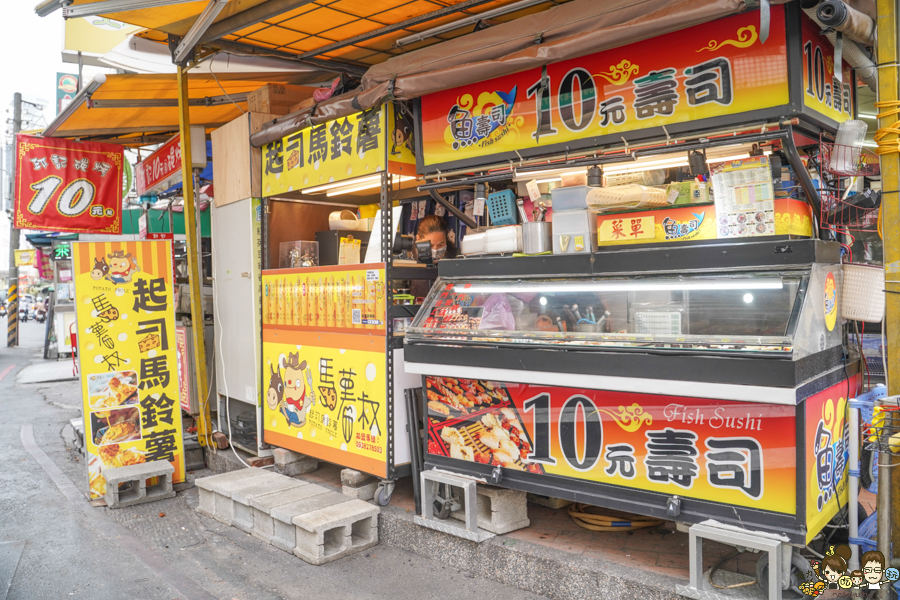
(12, 312)
(889, 155)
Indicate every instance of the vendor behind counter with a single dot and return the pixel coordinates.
(432, 229)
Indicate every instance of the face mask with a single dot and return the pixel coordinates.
(438, 253)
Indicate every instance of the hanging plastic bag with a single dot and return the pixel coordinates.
(497, 314)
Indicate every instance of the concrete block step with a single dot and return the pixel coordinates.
(137, 475)
(499, 510)
(310, 521)
(259, 487)
(283, 516)
(336, 531)
(215, 492)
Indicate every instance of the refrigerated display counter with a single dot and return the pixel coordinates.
(706, 381)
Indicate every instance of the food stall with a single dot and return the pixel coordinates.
(682, 360)
(332, 364)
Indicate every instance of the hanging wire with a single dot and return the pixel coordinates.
(220, 85)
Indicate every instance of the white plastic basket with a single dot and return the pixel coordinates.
(862, 297)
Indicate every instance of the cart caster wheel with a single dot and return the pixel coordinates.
(383, 496)
(441, 510)
(799, 565)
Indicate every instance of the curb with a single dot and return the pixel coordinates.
(529, 567)
(526, 566)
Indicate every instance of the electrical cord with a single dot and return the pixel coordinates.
(218, 339)
(595, 519)
(220, 85)
(719, 565)
(888, 146)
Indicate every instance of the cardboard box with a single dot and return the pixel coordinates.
(277, 99)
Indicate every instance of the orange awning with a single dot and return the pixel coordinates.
(140, 109)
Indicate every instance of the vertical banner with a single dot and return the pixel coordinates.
(127, 349)
(184, 386)
(827, 451)
(66, 88)
(68, 186)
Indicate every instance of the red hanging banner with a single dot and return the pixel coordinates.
(68, 186)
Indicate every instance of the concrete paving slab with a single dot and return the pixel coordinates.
(46, 371)
(10, 553)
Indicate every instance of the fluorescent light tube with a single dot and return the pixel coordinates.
(337, 184)
(645, 166)
(621, 286)
(364, 186)
(715, 159)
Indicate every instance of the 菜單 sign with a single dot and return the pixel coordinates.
(68, 186)
(127, 345)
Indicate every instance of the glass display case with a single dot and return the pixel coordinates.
(581, 377)
(778, 312)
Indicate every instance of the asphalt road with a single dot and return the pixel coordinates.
(73, 550)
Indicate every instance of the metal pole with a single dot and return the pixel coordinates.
(888, 84)
(204, 426)
(12, 310)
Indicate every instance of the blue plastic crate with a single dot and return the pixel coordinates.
(868, 531)
(502, 208)
(865, 417)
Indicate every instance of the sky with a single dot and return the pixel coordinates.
(32, 51)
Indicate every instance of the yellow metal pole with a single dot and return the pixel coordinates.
(204, 425)
(888, 84)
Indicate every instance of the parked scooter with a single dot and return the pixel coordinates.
(2, 309)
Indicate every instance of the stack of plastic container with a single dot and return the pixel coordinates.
(574, 224)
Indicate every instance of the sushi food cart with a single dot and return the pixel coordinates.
(684, 363)
(332, 364)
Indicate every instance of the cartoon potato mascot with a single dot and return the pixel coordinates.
(295, 403)
(121, 266)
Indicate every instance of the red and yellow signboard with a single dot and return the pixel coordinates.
(827, 445)
(126, 347)
(731, 452)
(324, 364)
(340, 299)
(711, 70)
(341, 149)
(325, 396)
(161, 170)
(822, 90)
(685, 223)
(68, 186)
